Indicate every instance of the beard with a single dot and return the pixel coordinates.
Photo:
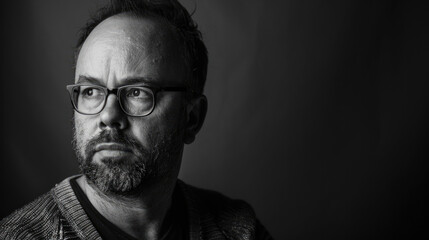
(126, 176)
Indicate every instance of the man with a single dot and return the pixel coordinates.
(138, 98)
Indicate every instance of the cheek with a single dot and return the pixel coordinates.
(85, 126)
(141, 129)
(150, 130)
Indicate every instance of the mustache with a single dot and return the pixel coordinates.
(114, 136)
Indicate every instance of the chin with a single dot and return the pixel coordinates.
(116, 175)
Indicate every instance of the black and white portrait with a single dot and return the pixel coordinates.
(214, 119)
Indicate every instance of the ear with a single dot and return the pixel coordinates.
(195, 114)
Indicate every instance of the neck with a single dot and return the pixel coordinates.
(141, 216)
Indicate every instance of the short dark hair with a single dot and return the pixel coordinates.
(175, 14)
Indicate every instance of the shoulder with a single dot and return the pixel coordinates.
(33, 221)
(219, 213)
(219, 204)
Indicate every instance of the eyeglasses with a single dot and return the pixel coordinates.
(135, 101)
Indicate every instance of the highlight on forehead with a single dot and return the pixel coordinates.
(149, 34)
(135, 29)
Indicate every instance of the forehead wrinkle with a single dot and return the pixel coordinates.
(116, 52)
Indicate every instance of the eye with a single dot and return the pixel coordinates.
(91, 92)
(88, 91)
(136, 92)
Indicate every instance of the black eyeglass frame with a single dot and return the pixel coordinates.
(117, 92)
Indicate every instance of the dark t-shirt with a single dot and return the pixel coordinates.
(175, 225)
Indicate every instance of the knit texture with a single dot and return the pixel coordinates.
(59, 215)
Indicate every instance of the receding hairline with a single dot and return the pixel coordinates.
(148, 16)
(157, 26)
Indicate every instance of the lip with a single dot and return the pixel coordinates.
(112, 147)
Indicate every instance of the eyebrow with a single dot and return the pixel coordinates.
(127, 81)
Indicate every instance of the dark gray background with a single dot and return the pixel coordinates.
(318, 111)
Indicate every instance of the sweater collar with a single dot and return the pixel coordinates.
(73, 212)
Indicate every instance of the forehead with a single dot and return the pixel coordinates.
(128, 47)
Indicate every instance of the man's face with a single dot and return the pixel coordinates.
(119, 153)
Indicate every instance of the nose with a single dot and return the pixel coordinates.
(112, 115)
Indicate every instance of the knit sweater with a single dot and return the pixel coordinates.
(59, 215)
